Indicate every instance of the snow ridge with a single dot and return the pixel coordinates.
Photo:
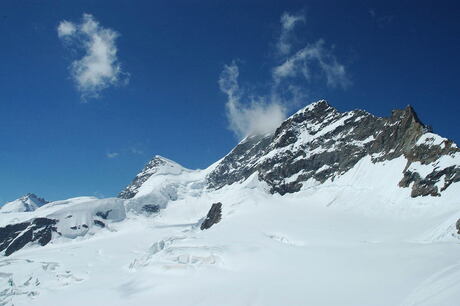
(27, 203)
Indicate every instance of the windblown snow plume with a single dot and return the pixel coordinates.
(291, 78)
(99, 67)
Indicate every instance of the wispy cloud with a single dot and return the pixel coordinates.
(112, 154)
(381, 20)
(136, 151)
(99, 68)
(304, 61)
(256, 116)
(288, 23)
(124, 152)
(249, 113)
(66, 29)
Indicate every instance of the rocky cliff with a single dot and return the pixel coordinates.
(320, 143)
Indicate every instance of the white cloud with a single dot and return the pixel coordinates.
(99, 67)
(291, 80)
(255, 116)
(304, 61)
(112, 155)
(66, 28)
(288, 23)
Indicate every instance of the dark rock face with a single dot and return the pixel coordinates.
(103, 214)
(214, 216)
(77, 227)
(14, 237)
(99, 223)
(39, 201)
(151, 208)
(319, 142)
(427, 185)
(458, 226)
(426, 154)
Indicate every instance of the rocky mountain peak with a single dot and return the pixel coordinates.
(33, 197)
(158, 165)
(319, 142)
(26, 203)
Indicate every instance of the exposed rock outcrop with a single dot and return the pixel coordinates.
(14, 237)
(214, 216)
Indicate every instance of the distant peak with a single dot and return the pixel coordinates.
(159, 157)
(33, 196)
(158, 165)
(26, 203)
(160, 160)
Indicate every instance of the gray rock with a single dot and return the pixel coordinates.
(214, 216)
(151, 208)
(99, 223)
(14, 237)
(103, 214)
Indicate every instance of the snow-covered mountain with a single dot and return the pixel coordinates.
(27, 203)
(331, 208)
(157, 167)
(319, 143)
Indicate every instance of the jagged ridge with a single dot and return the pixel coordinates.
(319, 142)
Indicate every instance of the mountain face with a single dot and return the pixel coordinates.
(157, 166)
(320, 143)
(344, 208)
(27, 203)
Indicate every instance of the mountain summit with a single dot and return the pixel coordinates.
(319, 143)
(26, 203)
(157, 166)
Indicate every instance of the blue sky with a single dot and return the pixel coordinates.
(71, 125)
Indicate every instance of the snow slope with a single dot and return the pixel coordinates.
(357, 238)
(339, 243)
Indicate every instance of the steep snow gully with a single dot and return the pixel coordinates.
(332, 208)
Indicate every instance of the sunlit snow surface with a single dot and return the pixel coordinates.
(357, 240)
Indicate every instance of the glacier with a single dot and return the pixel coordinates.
(351, 232)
